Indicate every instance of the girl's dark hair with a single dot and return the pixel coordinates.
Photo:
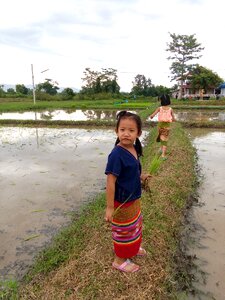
(125, 115)
(165, 100)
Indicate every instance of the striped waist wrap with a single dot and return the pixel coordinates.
(127, 229)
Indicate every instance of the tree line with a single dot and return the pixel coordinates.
(183, 50)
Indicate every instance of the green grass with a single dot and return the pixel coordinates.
(9, 290)
(75, 236)
(199, 103)
(7, 105)
(81, 104)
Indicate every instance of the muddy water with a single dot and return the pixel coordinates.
(199, 115)
(84, 115)
(209, 216)
(44, 175)
(68, 115)
(196, 115)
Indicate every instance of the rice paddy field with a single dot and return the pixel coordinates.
(76, 263)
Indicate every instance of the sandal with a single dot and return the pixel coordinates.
(128, 266)
(160, 151)
(141, 252)
(163, 157)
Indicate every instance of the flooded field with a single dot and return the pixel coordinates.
(209, 216)
(85, 115)
(45, 174)
(202, 115)
(66, 115)
(198, 115)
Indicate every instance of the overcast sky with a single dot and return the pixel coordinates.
(128, 35)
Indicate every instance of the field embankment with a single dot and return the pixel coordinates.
(78, 264)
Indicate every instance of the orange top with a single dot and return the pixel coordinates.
(165, 115)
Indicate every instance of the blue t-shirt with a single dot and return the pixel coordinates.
(127, 169)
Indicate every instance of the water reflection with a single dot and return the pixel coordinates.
(207, 242)
(85, 115)
(37, 137)
(198, 116)
(67, 115)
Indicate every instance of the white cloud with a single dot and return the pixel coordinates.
(130, 36)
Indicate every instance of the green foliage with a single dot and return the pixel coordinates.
(11, 91)
(100, 82)
(8, 290)
(203, 78)
(67, 94)
(141, 85)
(183, 48)
(21, 89)
(144, 87)
(43, 96)
(48, 87)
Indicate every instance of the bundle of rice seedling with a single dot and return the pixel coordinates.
(155, 164)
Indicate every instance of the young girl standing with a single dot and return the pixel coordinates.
(123, 192)
(165, 117)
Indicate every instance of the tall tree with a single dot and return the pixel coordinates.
(67, 93)
(141, 85)
(97, 82)
(90, 78)
(108, 80)
(183, 49)
(49, 87)
(20, 88)
(11, 91)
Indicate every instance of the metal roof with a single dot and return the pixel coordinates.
(222, 86)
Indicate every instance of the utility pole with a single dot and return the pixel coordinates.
(32, 72)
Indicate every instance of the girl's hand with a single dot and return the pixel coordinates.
(145, 176)
(145, 182)
(109, 214)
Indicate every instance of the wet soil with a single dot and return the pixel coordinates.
(208, 242)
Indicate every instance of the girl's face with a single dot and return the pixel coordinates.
(127, 132)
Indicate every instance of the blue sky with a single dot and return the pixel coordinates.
(128, 35)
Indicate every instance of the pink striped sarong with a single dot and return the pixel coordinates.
(127, 229)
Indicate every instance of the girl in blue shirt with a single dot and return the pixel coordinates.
(123, 192)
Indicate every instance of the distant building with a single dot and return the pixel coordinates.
(187, 92)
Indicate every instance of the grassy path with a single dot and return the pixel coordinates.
(78, 264)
